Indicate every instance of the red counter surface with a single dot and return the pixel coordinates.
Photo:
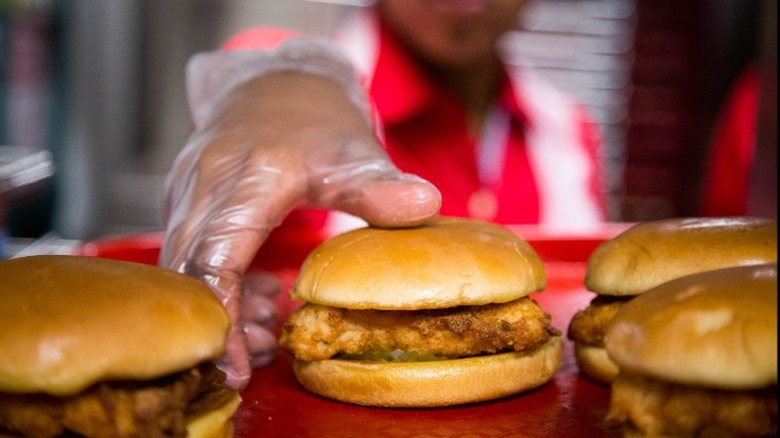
(275, 405)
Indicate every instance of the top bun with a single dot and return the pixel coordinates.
(652, 253)
(444, 262)
(716, 329)
(67, 322)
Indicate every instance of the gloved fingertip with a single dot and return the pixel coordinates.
(259, 338)
(235, 377)
(261, 283)
(262, 359)
(403, 202)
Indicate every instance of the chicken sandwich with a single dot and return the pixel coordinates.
(434, 315)
(651, 253)
(698, 356)
(97, 347)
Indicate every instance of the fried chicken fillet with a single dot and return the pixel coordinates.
(149, 409)
(589, 325)
(316, 332)
(650, 407)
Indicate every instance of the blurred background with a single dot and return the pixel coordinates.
(93, 111)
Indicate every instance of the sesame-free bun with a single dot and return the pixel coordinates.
(67, 322)
(715, 329)
(651, 253)
(431, 383)
(594, 362)
(443, 263)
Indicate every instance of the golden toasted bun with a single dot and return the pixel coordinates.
(215, 423)
(443, 263)
(594, 363)
(67, 322)
(651, 253)
(432, 383)
(716, 329)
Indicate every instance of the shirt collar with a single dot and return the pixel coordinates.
(401, 89)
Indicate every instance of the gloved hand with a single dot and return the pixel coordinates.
(294, 131)
(258, 315)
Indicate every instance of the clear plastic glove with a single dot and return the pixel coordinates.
(285, 136)
(258, 315)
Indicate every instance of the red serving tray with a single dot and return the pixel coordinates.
(275, 405)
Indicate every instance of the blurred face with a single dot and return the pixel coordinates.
(451, 33)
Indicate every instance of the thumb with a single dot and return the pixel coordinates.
(406, 200)
(385, 198)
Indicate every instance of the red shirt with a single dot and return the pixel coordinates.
(426, 133)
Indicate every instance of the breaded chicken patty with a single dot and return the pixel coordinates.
(116, 409)
(316, 332)
(589, 325)
(651, 407)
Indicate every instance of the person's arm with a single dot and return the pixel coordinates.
(274, 130)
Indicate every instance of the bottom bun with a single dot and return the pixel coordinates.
(215, 423)
(431, 383)
(595, 364)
